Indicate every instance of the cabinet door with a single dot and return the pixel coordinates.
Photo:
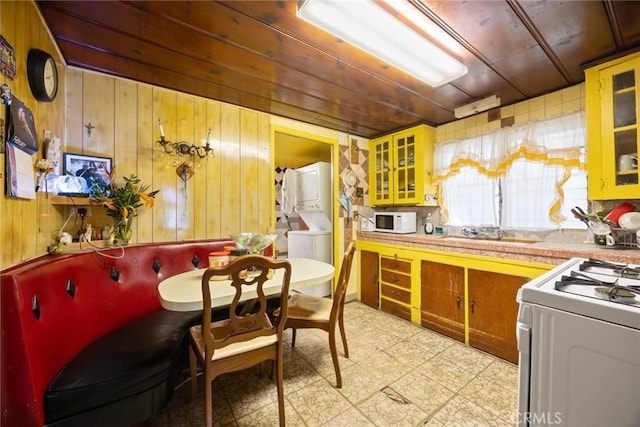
(405, 171)
(620, 130)
(380, 171)
(369, 285)
(493, 312)
(442, 298)
(612, 124)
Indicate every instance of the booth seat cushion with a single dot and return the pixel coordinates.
(126, 362)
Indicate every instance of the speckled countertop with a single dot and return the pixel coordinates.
(553, 253)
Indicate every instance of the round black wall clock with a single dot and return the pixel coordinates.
(43, 75)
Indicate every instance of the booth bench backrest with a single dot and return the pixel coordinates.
(53, 306)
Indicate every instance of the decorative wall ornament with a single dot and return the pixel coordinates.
(89, 128)
(7, 59)
(182, 150)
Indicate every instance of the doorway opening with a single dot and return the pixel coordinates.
(293, 151)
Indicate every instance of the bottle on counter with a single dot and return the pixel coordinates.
(428, 225)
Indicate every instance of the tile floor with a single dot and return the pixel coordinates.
(398, 374)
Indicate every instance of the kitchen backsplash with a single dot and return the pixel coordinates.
(547, 106)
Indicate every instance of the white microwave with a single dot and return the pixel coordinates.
(395, 222)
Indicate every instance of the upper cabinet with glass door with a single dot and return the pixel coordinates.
(612, 128)
(400, 168)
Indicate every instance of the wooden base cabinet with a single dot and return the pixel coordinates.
(369, 283)
(470, 298)
(493, 312)
(442, 298)
(395, 286)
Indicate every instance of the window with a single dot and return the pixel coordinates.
(525, 177)
(530, 191)
(470, 198)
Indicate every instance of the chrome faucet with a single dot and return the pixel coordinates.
(483, 232)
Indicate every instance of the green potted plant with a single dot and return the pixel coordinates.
(122, 203)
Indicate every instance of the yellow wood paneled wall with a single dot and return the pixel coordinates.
(25, 224)
(229, 193)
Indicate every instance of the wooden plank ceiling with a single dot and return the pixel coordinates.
(257, 54)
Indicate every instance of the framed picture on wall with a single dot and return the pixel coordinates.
(87, 170)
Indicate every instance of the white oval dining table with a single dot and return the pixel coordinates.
(183, 292)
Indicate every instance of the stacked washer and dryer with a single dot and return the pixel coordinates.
(313, 203)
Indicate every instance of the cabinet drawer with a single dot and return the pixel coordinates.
(395, 308)
(397, 294)
(395, 265)
(396, 279)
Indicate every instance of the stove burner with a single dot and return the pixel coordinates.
(616, 294)
(584, 279)
(622, 270)
(629, 272)
(610, 290)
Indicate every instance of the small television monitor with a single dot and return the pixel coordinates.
(80, 172)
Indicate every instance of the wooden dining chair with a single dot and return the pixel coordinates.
(308, 311)
(247, 337)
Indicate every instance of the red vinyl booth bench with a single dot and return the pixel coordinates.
(85, 341)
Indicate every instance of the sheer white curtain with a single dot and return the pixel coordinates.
(533, 189)
(476, 204)
(540, 166)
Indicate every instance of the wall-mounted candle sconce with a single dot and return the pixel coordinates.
(184, 149)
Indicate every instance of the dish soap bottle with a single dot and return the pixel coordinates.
(428, 225)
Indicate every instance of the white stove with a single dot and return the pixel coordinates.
(579, 344)
(574, 285)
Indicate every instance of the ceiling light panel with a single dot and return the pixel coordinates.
(371, 28)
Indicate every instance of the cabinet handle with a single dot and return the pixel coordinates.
(458, 299)
(473, 306)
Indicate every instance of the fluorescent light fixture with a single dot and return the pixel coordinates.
(479, 106)
(371, 28)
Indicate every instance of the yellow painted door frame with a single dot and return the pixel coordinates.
(335, 152)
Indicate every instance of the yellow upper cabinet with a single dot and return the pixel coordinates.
(612, 128)
(401, 167)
